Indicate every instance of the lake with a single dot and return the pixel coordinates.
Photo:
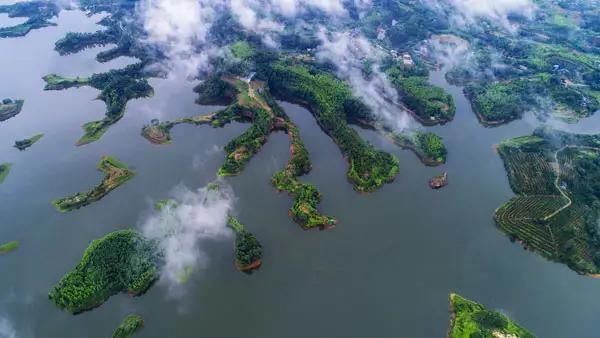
(385, 271)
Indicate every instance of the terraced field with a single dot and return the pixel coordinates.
(528, 172)
(522, 217)
(556, 179)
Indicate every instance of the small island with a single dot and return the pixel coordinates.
(26, 143)
(116, 173)
(439, 181)
(248, 250)
(4, 171)
(469, 319)
(130, 325)
(122, 261)
(10, 108)
(8, 247)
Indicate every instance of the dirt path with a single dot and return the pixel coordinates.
(557, 180)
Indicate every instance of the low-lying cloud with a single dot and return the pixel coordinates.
(182, 28)
(181, 228)
(6, 329)
(349, 53)
(468, 12)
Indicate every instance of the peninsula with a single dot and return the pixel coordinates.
(248, 250)
(556, 176)
(469, 319)
(116, 173)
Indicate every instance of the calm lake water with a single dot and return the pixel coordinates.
(385, 271)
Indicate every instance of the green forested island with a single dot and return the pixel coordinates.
(130, 325)
(248, 250)
(116, 173)
(10, 108)
(122, 261)
(470, 319)
(28, 142)
(556, 176)
(8, 247)
(4, 171)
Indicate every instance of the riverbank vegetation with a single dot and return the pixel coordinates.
(10, 108)
(122, 261)
(4, 171)
(555, 175)
(26, 143)
(38, 14)
(470, 319)
(8, 247)
(130, 325)
(248, 250)
(116, 173)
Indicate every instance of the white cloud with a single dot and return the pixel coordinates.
(470, 11)
(349, 53)
(182, 227)
(6, 329)
(181, 28)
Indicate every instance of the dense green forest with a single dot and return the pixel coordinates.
(122, 261)
(470, 319)
(248, 250)
(556, 176)
(429, 104)
(331, 101)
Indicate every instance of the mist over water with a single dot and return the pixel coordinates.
(184, 224)
(385, 270)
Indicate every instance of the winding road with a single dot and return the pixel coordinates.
(557, 180)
